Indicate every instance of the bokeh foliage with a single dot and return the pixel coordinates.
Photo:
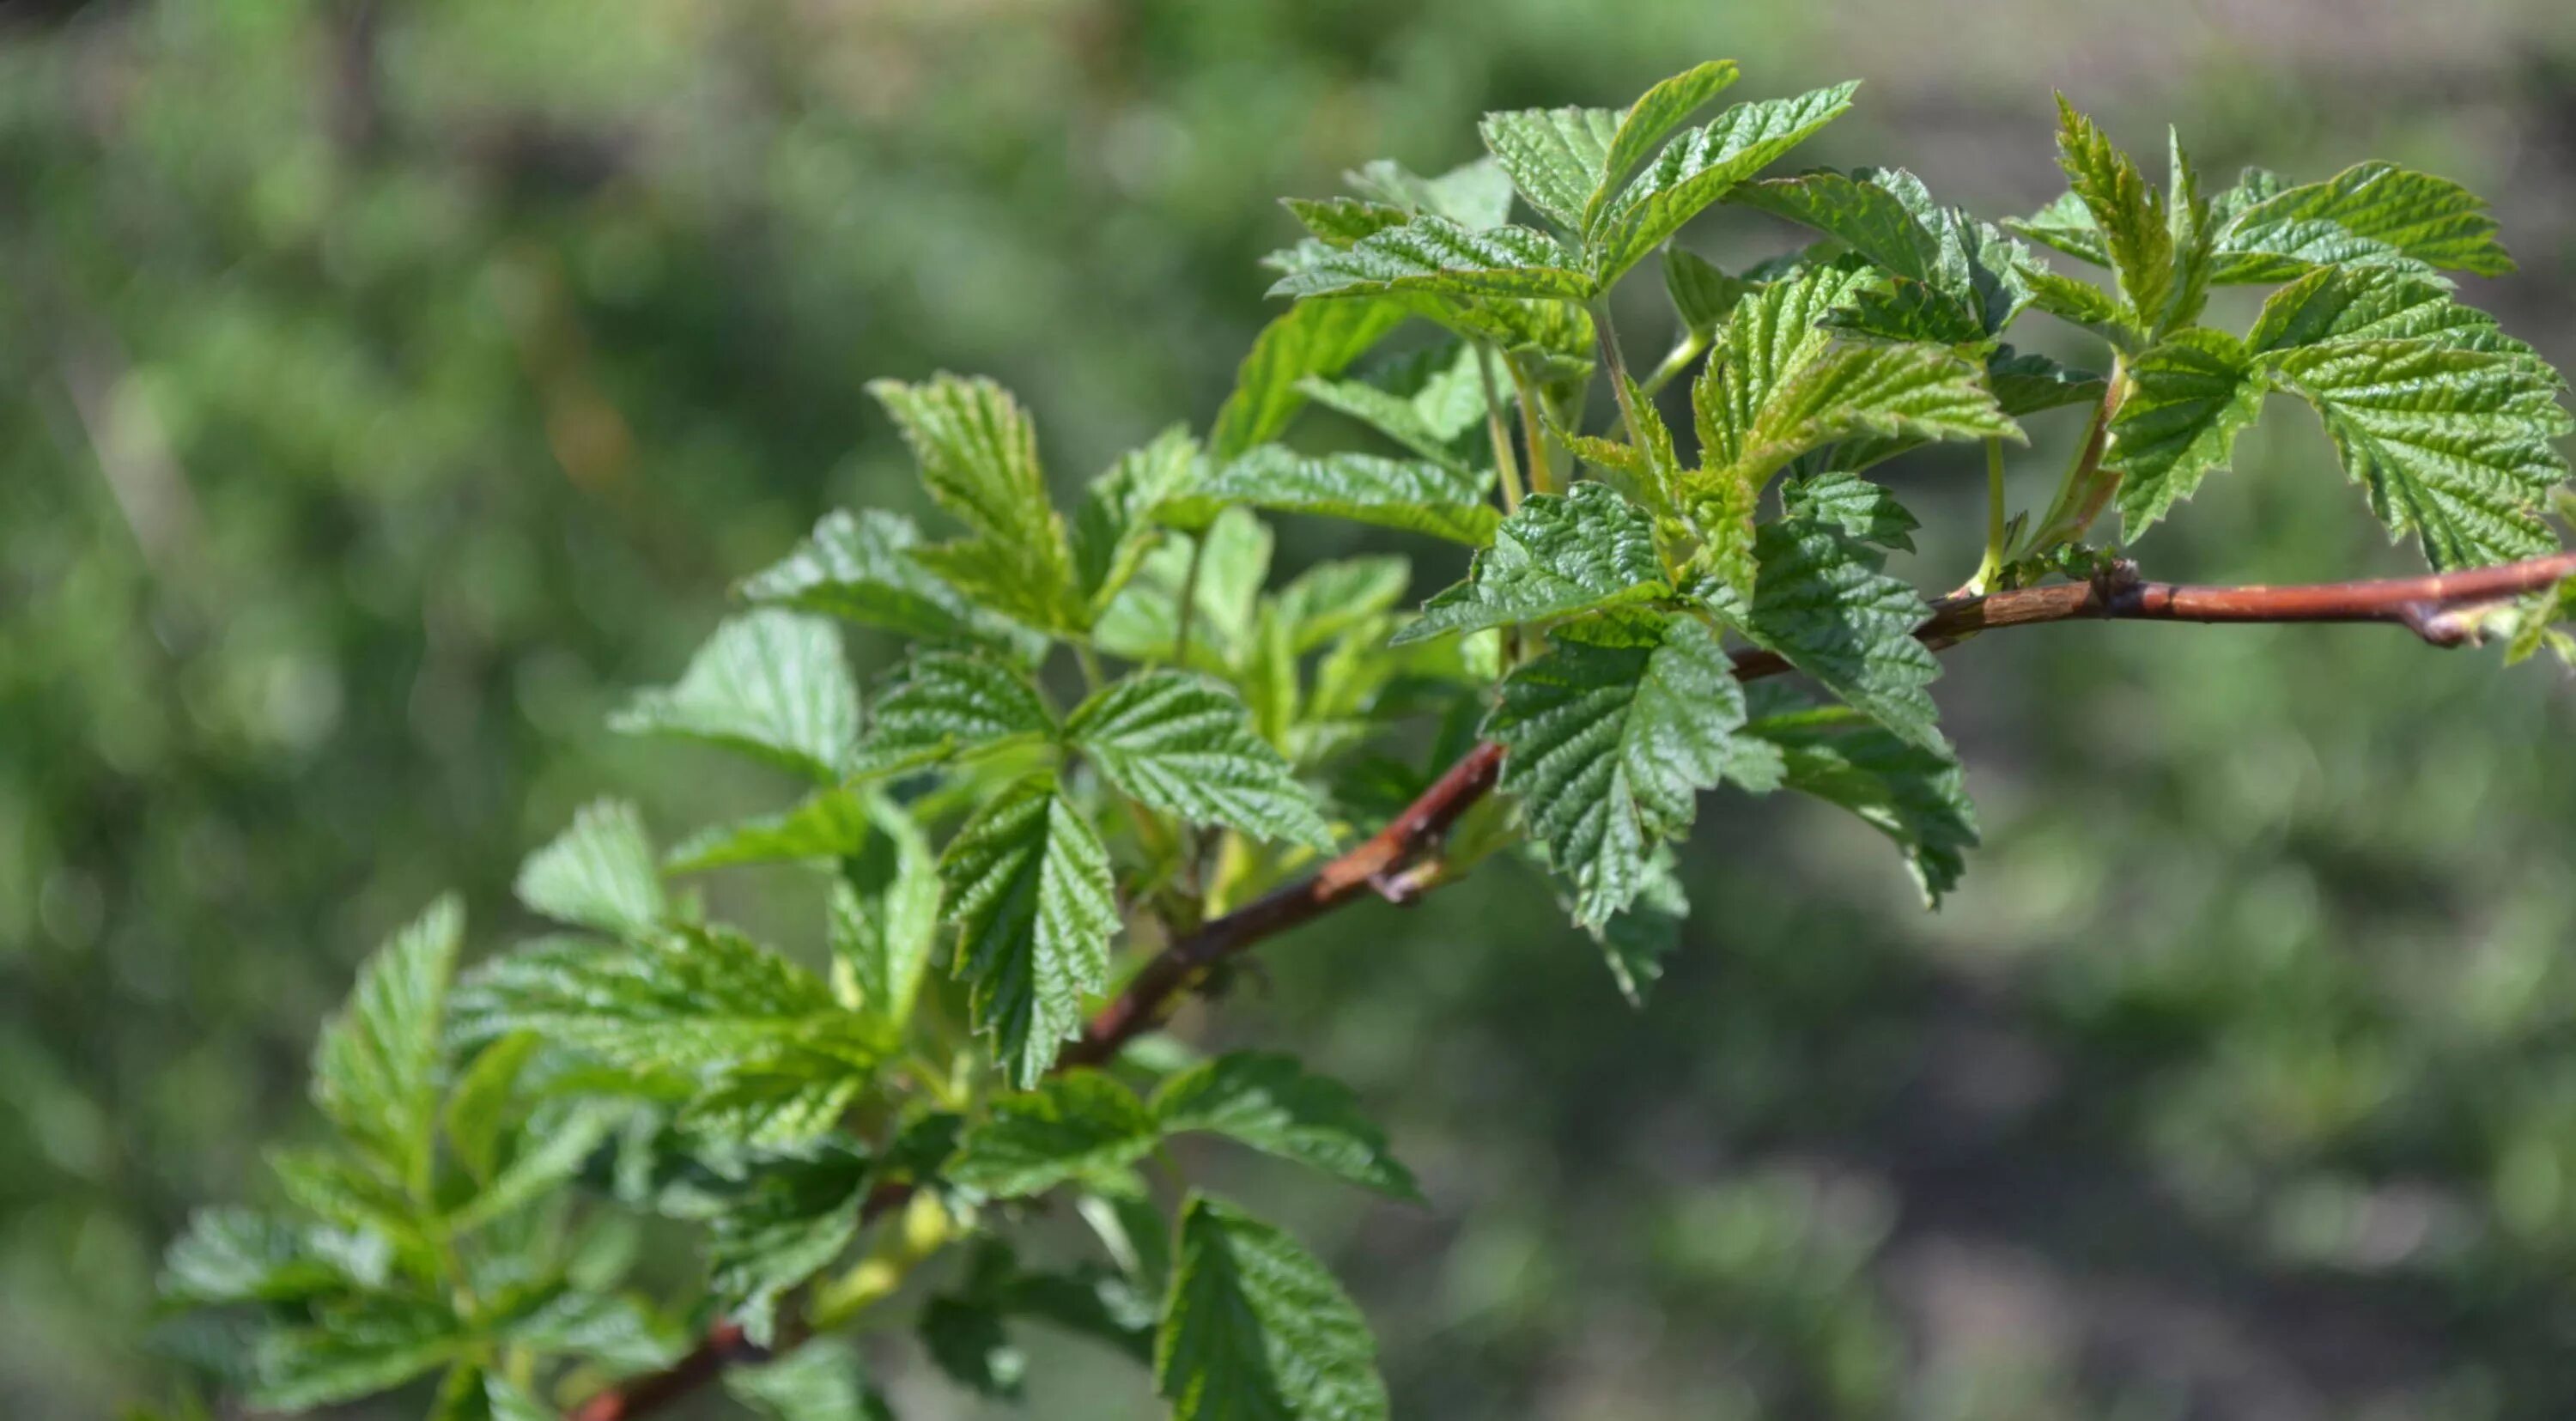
(396, 384)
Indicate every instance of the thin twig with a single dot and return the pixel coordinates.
(2435, 608)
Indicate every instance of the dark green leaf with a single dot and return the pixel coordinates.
(2188, 400)
(1254, 1329)
(1433, 254)
(885, 916)
(1915, 797)
(1696, 169)
(1410, 494)
(1861, 509)
(978, 454)
(950, 703)
(1069, 1126)
(1184, 744)
(1824, 604)
(2375, 214)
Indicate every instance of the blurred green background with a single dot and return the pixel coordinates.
(390, 385)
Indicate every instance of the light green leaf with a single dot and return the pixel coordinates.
(2195, 240)
(2080, 303)
(946, 704)
(243, 1256)
(1184, 744)
(686, 999)
(1861, 509)
(1027, 881)
(1698, 168)
(1475, 195)
(1900, 392)
(1433, 254)
(1772, 333)
(770, 684)
(1823, 603)
(598, 873)
(1142, 623)
(1312, 338)
(827, 824)
(357, 1353)
(819, 1381)
(1656, 113)
(861, 567)
(2188, 400)
(1557, 554)
(1639, 937)
(1340, 221)
(1432, 403)
(1913, 796)
(1610, 737)
(1331, 598)
(2363, 303)
(978, 454)
(2453, 445)
(1254, 1329)
(2371, 213)
(2067, 225)
(1866, 216)
(560, 1141)
(885, 916)
(619, 1334)
(1072, 1125)
(2128, 212)
(1555, 156)
(1115, 526)
(1409, 494)
(1273, 1104)
(375, 1067)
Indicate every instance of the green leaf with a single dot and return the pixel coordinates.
(1861, 509)
(1702, 295)
(979, 459)
(1271, 1102)
(356, 1353)
(1433, 254)
(2371, 213)
(827, 824)
(885, 916)
(1557, 554)
(769, 684)
(2080, 303)
(1115, 527)
(1610, 737)
(1142, 623)
(375, 1067)
(2188, 400)
(1027, 881)
(819, 1381)
(2132, 220)
(1866, 216)
(2028, 383)
(1254, 1329)
(1555, 156)
(1432, 403)
(2195, 240)
(2453, 445)
(620, 1335)
(966, 1339)
(947, 704)
(1410, 494)
(1915, 797)
(1072, 1125)
(1823, 603)
(2065, 224)
(1475, 195)
(1907, 392)
(1340, 221)
(2363, 303)
(789, 1222)
(1184, 744)
(1312, 338)
(687, 998)
(1656, 113)
(1639, 937)
(1772, 333)
(560, 1141)
(243, 1256)
(1698, 168)
(598, 873)
(861, 567)
(1331, 598)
